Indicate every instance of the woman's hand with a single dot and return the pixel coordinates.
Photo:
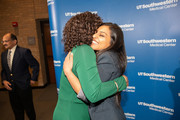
(126, 79)
(68, 63)
(67, 67)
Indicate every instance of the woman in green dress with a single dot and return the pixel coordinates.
(77, 36)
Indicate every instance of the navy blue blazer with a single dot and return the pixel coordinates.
(107, 108)
(19, 74)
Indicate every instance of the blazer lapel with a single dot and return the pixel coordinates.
(15, 57)
(5, 59)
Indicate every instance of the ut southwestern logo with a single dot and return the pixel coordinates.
(158, 5)
(50, 2)
(157, 108)
(130, 115)
(57, 63)
(131, 59)
(53, 33)
(158, 43)
(75, 13)
(127, 27)
(158, 77)
(130, 89)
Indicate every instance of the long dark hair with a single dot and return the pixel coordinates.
(117, 45)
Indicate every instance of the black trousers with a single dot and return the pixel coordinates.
(21, 100)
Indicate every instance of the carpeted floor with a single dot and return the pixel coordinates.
(44, 102)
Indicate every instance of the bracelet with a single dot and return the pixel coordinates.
(116, 86)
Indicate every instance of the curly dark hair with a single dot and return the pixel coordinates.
(80, 29)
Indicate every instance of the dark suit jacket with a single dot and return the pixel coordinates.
(19, 74)
(106, 109)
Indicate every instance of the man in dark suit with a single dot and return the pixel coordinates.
(16, 77)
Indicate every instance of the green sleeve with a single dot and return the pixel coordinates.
(87, 72)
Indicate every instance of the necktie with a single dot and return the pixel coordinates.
(9, 59)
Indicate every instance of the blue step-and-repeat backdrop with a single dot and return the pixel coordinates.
(152, 38)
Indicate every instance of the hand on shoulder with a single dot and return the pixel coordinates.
(68, 63)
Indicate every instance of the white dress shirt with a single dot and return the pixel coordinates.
(12, 54)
